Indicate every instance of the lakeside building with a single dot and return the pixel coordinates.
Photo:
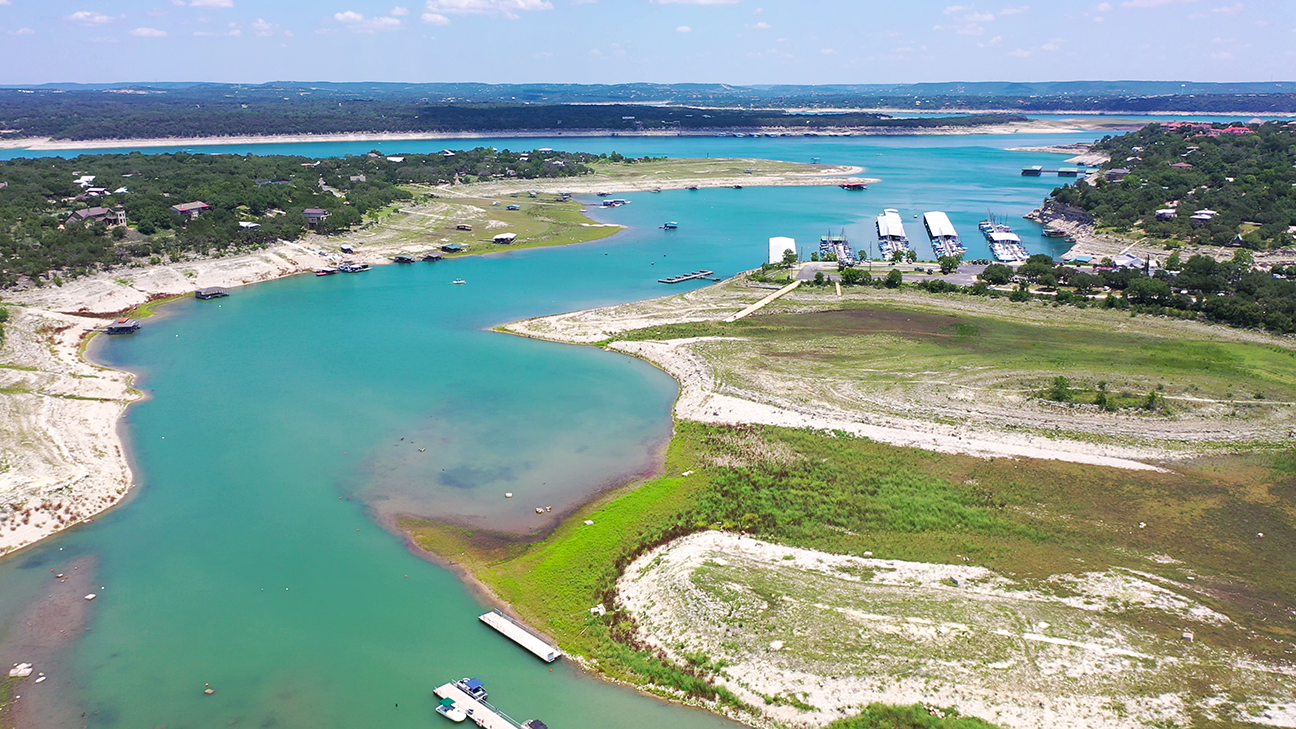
(190, 210)
(111, 216)
(314, 216)
(505, 238)
(211, 292)
(779, 246)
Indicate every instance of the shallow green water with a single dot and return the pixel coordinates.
(250, 557)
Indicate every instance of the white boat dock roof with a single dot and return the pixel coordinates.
(939, 225)
(999, 236)
(889, 225)
(520, 635)
(482, 714)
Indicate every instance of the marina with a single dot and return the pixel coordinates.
(892, 238)
(836, 247)
(688, 277)
(944, 238)
(516, 632)
(1005, 245)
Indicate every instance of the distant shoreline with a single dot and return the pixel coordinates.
(51, 144)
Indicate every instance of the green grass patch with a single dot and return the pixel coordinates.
(149, 308)
(882, 716)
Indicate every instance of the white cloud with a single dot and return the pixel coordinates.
(1053, 45)
(6, 2)
(435, 19)
(360, 24)
(507, 8)
(211, 4)
(992, 42)
(979, 17)
(88, 17)
(683, 29)
(952, 9)
(148, 33)
(22, 31)
(1020, 53)
(697, 2)
(762, 26)
(1104, 7)
(827, 51)
(1221, 56)
(1015, 11)
(263, 27)
(1152, 3)
(399, 11)
(1229, 10)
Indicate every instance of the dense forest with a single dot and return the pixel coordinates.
(83, 115)
(1247, 179)
(253, 200)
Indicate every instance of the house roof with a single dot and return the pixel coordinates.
(190, 206)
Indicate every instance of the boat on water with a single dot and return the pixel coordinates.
(458, 281)
(891, 234)
(602, 193)
(1005, 245)
(691, 187)
(615, 202)
(353, 267)
(473, 687)
(450, 710)
(853, 186)
(670, 225)
(326, 272)
(944, 238)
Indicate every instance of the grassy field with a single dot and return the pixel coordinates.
(1025, 519)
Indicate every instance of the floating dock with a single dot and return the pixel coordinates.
(686, 277)
(481, 713)
(514, 631)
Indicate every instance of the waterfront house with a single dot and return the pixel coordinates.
(505, 238)
(1117, 174)
(124, 325)
(210, 292)
(453, 248)
(314, 216)
(190, 210)
(463, 226)
(111, 216)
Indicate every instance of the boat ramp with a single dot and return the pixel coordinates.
(513, 630)
(708, 275)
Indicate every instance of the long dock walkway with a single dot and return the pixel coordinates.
(483, 714)
(761, 304)
(520, 635)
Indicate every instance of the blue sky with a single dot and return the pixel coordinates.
(615, 41)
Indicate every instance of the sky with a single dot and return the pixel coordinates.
(665, 41)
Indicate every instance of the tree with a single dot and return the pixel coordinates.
(949, 264)
(893, 279)
(790, 258)
(855, 276)
(1060, 390)
(1146, 291)
(1174, 262)
(1085, 283)
(996, 274)
(819, 279)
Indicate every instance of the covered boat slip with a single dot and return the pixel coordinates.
(520, 635)
(939, 226)
(891, 227)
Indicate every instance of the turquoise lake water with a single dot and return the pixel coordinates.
(250, 555)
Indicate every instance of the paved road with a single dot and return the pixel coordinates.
(913, 272)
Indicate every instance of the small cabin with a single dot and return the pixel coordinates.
(463, 226)
(346, 248)
(402, 258)
(505, 238)
(124, 325)
(433, 257)
(210, 292)
(452, 248)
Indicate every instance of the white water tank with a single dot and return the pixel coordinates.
(779, 246)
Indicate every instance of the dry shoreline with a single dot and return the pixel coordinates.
(51, 144)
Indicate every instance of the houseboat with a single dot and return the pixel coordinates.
(944, 238)
(326, 272)
(353, 267)
(1051, 232)
(403, 258)
(670, 225)
(853, 186)
(124, 325)
(432, 257)
(211, 292)
(891, 234)
(1033, 171)
(1005, 245)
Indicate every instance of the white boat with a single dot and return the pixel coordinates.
(891, 233)
(459, 281)
(1005, 245)
(450, 710)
